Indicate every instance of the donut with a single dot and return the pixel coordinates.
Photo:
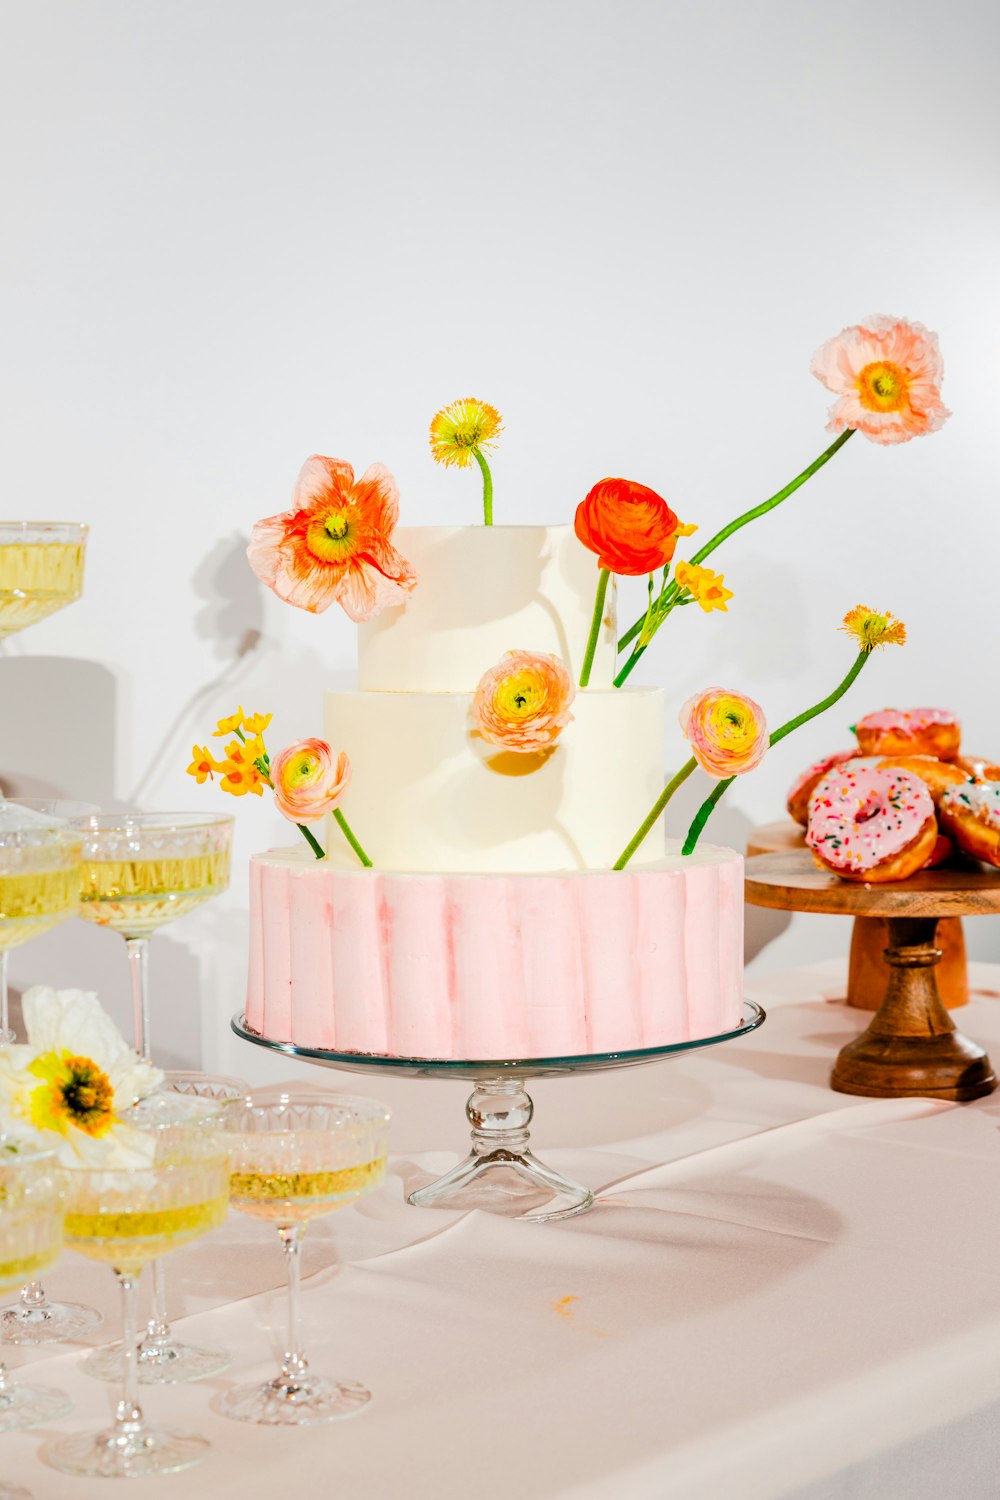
(870, 824)
(979, 767)
(943, 849)
(971, 815)
(802, 787)
(910, 731)
(937, 775)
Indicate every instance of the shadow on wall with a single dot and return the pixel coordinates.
(731, 828)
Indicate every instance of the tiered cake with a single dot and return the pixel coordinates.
(492, 925)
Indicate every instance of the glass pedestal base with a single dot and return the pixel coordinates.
(125, 1455)
(501, 1174)
(159, 1362)
(298, 1402)
(48, 1323)
(24, 1406)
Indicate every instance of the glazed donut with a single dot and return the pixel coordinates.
(872, 825)
(971, 814)
(979, 767)
(910, 731)
(802, 787)
(937, 775)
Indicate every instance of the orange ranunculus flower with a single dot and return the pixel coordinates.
(727, 732)
(308, 782)
(334, 544)
(887, 374)
(523, 702)
(631, 528)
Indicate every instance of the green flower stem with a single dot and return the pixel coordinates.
(595, 626)
(744, 520)
(311, 840)
(706, 809)
(348, 833)
(487, 487)
(654, 813)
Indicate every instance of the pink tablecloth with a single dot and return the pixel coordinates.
(781, 1292)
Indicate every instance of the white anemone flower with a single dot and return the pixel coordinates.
(75, 1079)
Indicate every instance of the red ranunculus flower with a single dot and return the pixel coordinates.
(631, 528)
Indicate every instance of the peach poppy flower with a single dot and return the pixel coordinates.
(887, 374)
(631, 528)
(727, 732)
(308, 782)
(523, 703)
(334, 544)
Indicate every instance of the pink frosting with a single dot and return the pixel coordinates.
(494, 966)
(981, 798)
(861, 816)
(817, 769)
(907, 720)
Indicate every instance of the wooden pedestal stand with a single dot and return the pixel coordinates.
(868, 972)
(911, 1046)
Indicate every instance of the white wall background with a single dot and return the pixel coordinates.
(238, 232)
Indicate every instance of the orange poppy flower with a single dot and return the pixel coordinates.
(334, 544)
(631, 528)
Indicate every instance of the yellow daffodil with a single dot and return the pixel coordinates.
(230, 725)
(688, 529)
(871, 629)
(705, 587)
(203, 767)
(256, 723)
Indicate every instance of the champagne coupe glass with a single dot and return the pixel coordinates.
(47, 896)
(31, 1233)
(127, 1216)
(41, 570)
(140, 871)
(293, 1159)
(160, 1354)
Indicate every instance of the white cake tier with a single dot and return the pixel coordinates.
(482, 591)
(429, 795)
(495, 966)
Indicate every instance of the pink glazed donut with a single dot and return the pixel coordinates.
(910, 731)
(802, 787)
(870, 824)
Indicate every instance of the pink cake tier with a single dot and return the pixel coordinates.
(495, 966)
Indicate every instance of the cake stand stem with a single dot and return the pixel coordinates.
(500, 1174)
(912, 1046)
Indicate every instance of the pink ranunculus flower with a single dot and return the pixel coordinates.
(727, 732)
(887, 374)
(308, 781)
(334, 545)
(523, 703)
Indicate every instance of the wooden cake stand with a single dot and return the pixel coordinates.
(911, 1046)
(868, 972)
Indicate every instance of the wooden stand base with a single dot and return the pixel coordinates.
(868, 973)
(912, 1046)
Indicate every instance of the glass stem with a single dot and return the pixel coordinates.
(6, 1393)
(158, 1329)
(128, 1413)
(138, 962)
(6, 1035)
(33, 1297)
(293, 1366)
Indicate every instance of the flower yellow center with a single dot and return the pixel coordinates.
(731, 724)
(301, 770)
(883, 386)
(520, 695)
(73, 1092)
(331, 538)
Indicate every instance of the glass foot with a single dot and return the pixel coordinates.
(49, 1323)
(133, 1453)
(285, 1402)
(31, 1406)
(160, 1362)
(500, 1174)
(14, 1492)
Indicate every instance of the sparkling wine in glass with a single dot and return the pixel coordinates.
(163, 1360)
(141, 871)
(39, 886)
(293, 1159)
(41, 570)
(31, 1234)
(126, 1217)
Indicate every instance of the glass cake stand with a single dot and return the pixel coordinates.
(501, 1174)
